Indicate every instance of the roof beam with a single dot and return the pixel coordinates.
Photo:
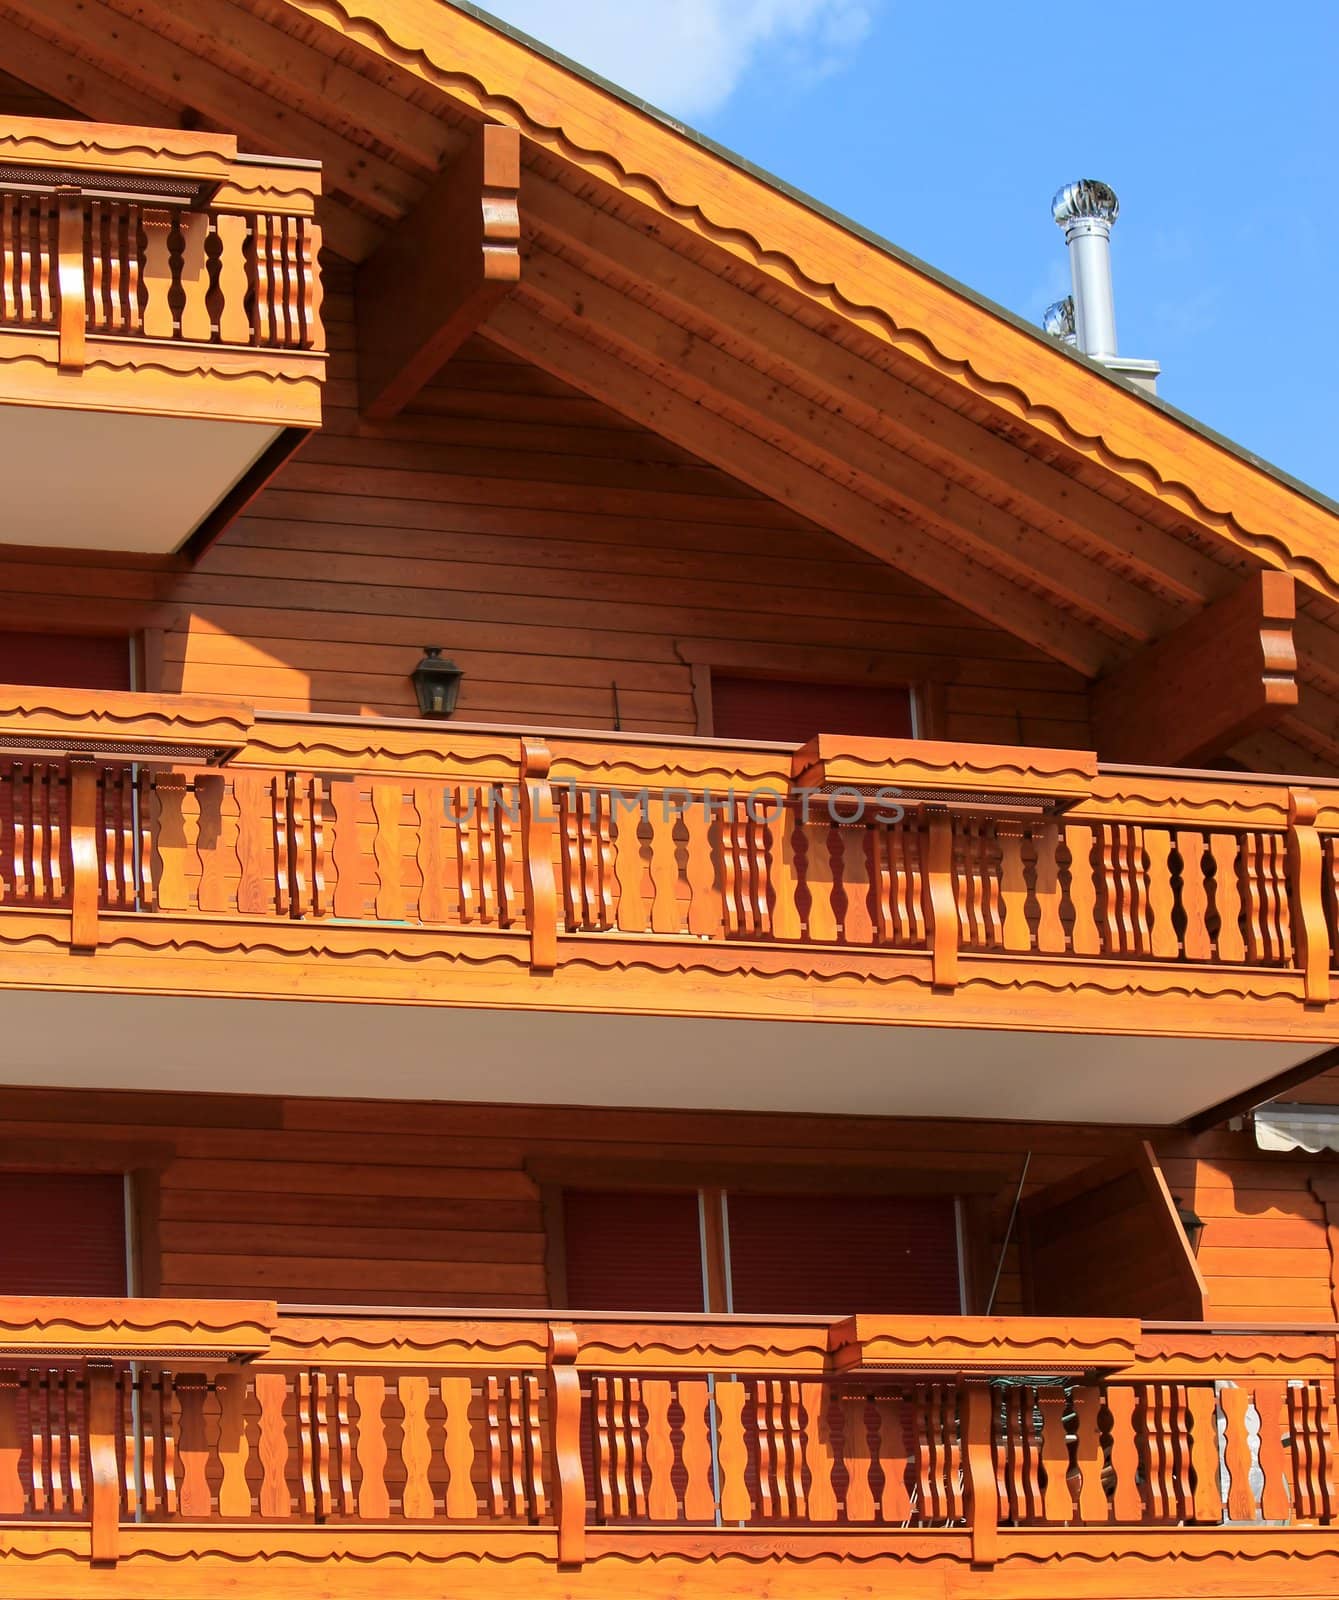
(866, 393)
(1228, 672)
(528, 329)
(847, 454)
(437, 276)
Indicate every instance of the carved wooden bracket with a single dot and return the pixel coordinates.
(1227, 672)
(437, 277)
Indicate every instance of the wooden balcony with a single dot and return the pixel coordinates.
(160, 328)
(552, 887)
(209, 1446)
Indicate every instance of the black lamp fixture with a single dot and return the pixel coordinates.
(436, 683)
(1192, 1225)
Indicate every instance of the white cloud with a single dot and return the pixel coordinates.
(688, 55)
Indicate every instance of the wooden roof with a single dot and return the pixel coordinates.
(740, 320)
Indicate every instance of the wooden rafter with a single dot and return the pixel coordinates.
(440, 273)
(866, 393)
(834, 446)
(521, 326)
(1226, 673)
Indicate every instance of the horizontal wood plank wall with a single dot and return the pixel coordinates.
(395, 1203)
(553, 551)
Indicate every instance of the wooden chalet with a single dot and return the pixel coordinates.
(649, 864)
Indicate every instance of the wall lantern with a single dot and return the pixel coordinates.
(1192, 1224)
(436, 683)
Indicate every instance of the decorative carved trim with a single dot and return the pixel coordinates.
(131, 1329)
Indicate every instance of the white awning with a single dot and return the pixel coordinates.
(1297, 1127)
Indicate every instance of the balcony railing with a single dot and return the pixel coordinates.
(577, 1436)
(957, 864)
(160, 325)
(154, 236)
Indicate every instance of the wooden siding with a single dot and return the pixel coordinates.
(394, 1203)
(553, 551)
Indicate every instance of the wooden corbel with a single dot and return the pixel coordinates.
(1227, 672)
(440, 273)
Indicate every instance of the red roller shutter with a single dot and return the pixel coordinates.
(62, 1233)
(772, 708)
(832, 1255)
(632, 1252)
(65, 660)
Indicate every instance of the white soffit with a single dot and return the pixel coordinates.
(107, 480)
(571, 1058)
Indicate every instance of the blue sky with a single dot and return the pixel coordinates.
(947, 127)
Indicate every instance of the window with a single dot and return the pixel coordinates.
(781, 1254)
(63, 1233)
(65, 660)
(774, 708)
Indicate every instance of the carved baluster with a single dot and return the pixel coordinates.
(256, 843)
(1310, 1427)
(1203, 1405)
(510, 891)
(915, 840)
(369, 1395)
(629, 871)
(572, 846)
(1224, 849)
(415, 1450)
(12, 1496)
(271, 1396)
(169, 1456)
(462, 1504)
(762, 1423)
(661, 1501)
(895, 1502)
(347, 898)
(497, 1500)
(1163, 942)
(1235, 1402)
(1127, 1501)
(307, 1448)
(666, 911)
(194, 1501)
(194, 280)
(71, 1414)
(264, 326)
(321, 1445)
(387, 812)
(699, 1494)
(1092, 1504)
(636, 1463)
(1086, 939)
(1015, 933)
(1057, 1500)
(232, 325)
(534, 1451)
(939, 885)
(1276, 1485)
(859, 1505)
(817, 1454)
(732, 1453)
(925, 1454)
(234, 1447)
(1194, 896)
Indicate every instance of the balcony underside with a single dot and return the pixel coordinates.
(544, 1056)
(109, 480)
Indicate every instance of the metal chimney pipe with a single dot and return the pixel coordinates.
(1086, 210)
